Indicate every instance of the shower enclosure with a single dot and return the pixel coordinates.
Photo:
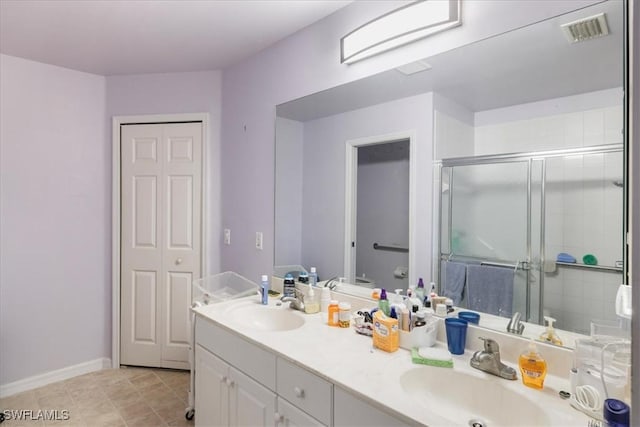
(519, 211)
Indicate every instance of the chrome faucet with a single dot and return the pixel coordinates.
(514, 326)
(295, 302)
(488, 360)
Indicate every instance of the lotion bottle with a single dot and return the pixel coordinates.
(264, 289)
(533, 367)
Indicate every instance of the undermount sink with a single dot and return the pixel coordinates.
(462, 397)
(265, 317)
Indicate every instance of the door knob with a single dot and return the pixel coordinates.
(179, 261)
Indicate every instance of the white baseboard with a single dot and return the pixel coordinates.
(53, 376)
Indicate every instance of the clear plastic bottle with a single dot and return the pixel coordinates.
(313, 277)
(311, 301)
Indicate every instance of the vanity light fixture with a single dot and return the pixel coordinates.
(399, 27)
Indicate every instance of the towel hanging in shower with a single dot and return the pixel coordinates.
(490, 289)
(455, 275)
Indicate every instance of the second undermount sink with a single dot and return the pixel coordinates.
(265, 317)
(462, 397)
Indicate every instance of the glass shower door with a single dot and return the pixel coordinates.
(486, 220)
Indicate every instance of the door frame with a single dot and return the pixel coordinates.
(350, 193)
(116, 212)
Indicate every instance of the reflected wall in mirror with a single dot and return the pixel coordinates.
(518, 142)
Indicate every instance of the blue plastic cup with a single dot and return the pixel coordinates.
(456, 334)
(469, 316)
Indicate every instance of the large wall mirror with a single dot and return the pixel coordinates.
(506, 153)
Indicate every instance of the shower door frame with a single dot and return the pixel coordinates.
(528, 157)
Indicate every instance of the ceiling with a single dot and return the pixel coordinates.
(529, 64)
(111, 37)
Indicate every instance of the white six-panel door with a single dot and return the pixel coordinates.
(161, 167)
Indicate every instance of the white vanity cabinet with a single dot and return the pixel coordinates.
(227, 397)
(236, 384)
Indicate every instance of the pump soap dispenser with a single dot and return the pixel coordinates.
(550, 334)
(533, 367)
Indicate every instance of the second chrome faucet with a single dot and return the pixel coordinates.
(488, 360)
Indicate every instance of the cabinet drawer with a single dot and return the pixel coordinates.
(254, 361)
(305, 390)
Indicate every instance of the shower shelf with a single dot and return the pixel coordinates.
(589, 267)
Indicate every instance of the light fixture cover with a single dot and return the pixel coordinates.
(398, 27)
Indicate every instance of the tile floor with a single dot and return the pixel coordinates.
(111, 397)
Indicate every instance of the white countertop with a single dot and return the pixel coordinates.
(348, 359)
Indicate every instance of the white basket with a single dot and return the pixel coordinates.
(222, 287)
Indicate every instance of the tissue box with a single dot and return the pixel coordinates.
(385, 332)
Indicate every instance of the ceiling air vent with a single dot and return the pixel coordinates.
(586, 28)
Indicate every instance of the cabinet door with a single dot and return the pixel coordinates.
(290, 416)
(212, 395)
(250, 404)
(352, 411)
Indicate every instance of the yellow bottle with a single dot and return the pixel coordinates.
(533, 367)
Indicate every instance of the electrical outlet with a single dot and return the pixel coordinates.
(259, 240)
(227, 236)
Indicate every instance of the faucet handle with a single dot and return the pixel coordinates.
(490, 345)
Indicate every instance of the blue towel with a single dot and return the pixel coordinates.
(490, 289)
(455, 275)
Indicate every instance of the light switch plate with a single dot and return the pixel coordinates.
(259, 240)
(227, 236)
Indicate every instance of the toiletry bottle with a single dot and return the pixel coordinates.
(550, 334)
(449, 303)
(325, 299)
(303, 277)
(264, 289)
(383, 303)
(533, 367)
(289, 288)
(311, 303)
(313, 277)
(420, 320)
(397, 297)
(420, 291)
(406, 320)
(333, 312)
(344, 314)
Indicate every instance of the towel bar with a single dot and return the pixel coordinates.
(389, 248)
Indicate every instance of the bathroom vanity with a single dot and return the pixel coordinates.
(271, 365)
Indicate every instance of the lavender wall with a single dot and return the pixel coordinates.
(173, 93)
(55, 285)
(305, 63)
